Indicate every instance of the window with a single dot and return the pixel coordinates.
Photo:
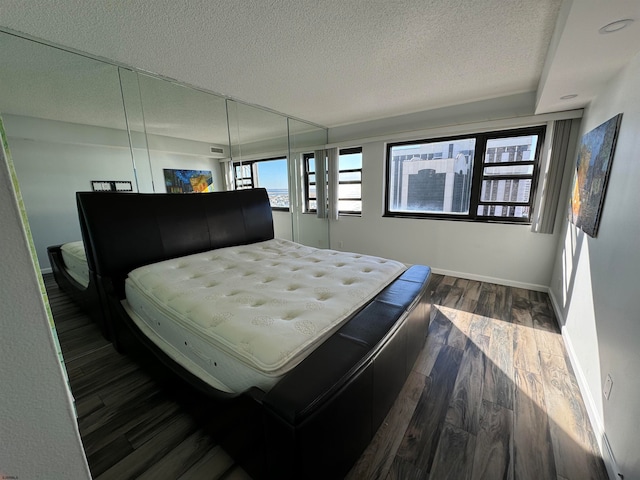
(270, 173)
(482, 177)
(310, 195)
(349, 181)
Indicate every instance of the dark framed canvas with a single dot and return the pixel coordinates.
(188, 181)
(595, 155)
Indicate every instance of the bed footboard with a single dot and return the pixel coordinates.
(322, 415)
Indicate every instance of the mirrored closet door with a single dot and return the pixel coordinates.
(66, 128)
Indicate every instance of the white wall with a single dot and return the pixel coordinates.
(53, 161)
(38, 430)
(507, 254)
(595, 283)
(282, 225)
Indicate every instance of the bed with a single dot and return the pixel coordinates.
(71, 273)
(193, 280)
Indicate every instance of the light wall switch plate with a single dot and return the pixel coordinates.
(607, 387)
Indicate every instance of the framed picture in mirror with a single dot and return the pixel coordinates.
(188, 181)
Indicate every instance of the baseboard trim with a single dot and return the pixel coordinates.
(484, 278)
(601, 437)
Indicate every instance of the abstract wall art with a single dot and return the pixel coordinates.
(188, 181)
(595, 155)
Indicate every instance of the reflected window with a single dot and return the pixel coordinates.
(349, 182)
(269, 173)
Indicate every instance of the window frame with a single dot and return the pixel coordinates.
(350, 151)
(253, 169)
(477, 177)
(307, 183)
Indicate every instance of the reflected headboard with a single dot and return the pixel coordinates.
(123, 231)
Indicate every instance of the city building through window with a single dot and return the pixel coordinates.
(483, 177)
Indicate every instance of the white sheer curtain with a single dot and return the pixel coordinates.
(321, 183)
(551, 178)
(333, 157)
(228, 174)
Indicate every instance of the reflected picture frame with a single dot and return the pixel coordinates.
(188, 181)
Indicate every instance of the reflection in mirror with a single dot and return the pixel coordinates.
(66, 127)
(185, 131)
(305, 140)
(259, 150)
(134, 115)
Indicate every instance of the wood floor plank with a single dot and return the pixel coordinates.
(460, 324)
(103, 459)
(525, 346)
(91, 357)
(499, 384)
(130, 385)
(113, 424)
(421, 438)
(213, 465)
(105, 416)
(145, 456)
(181, 458)
(533, 452)
(110, 372)
(574, 443)
(453, 295)
(453, 459)
(493, 456)
(428, 355)
(520, 298)
(470, 296)
(466, 398)
(140, 433)
(375, 462)
(486, 303)
(503, 302)
(480, 327)
(236, 473)
(548, 336)
(543, 316)
(88, 405)
(403, 470)
(440, 326)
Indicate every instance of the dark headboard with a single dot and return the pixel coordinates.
(122, 231)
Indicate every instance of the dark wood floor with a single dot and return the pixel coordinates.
(492, 396)
(133, 425)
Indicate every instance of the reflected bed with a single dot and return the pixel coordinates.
(71, 272)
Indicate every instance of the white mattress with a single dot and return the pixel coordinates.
(75, 261)
(243, 316)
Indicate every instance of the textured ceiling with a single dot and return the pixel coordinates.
(337, 62)
(331, 62)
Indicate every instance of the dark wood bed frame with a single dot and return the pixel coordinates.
(85, 297)
(320, 417)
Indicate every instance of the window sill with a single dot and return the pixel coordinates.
(455, 218)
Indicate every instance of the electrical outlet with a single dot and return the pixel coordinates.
(608, 384)
(340, 244)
